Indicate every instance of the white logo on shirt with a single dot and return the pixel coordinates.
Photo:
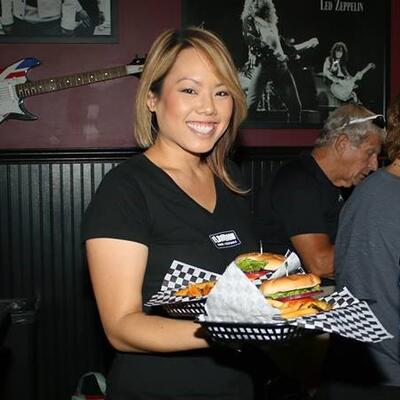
(223, 240)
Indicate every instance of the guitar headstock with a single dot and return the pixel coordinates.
(135, 67)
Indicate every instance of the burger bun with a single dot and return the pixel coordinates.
(290, 282)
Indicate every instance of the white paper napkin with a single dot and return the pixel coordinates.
(236, 299)
(291, 264)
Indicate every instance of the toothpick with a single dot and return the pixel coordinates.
(261, 247)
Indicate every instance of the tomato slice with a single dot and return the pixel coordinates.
(300, 296)
(255, 275)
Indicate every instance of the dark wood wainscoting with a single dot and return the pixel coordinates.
(43, 196)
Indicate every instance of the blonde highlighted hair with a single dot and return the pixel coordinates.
(159, 62)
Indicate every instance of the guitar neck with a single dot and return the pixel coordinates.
(69, 81)
(364, 71)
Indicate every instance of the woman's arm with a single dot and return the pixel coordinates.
(117, 270)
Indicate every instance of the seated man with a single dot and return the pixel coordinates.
(367, 254)
(298, 208)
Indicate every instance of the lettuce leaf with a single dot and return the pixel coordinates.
(249, 265)
(277, 295)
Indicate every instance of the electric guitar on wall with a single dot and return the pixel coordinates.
(15, 86)
(343, 90)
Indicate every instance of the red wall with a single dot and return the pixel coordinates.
(100, 115)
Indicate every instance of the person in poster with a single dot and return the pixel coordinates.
(342, 83)
(269, 57)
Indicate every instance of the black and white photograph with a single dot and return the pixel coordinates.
(299, 60)
(66, 21)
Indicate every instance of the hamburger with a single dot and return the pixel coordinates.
(293, 295)
(291, 287)
(255, 265)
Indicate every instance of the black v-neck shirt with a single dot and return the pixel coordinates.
(138, 201)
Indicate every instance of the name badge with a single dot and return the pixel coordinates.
(223, 240)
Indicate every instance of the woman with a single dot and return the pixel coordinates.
(164, 205)
(367, 262)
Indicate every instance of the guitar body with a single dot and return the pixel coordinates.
(15, 86)
(343, 90)
(11, 106)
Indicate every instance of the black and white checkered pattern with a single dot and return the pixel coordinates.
(192, 308)
(341, 299)
(350, 318)
(355, 322)
(179, 276)
(253, 333)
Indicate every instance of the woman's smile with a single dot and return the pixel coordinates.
(204, 128)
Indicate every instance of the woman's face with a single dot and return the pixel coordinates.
(194, 107)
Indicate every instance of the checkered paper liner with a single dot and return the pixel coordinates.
(349, 318)
(178, 276)
(181, 275)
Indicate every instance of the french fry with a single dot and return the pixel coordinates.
(300, 308)
(196, 289)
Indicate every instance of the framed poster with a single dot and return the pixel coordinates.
(299, 60)
(58, 21)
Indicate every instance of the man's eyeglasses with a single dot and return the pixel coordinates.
(376, 119)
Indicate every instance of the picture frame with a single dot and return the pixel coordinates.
(95, 22)
(362, 26)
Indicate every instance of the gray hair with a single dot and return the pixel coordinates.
(342, 121)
